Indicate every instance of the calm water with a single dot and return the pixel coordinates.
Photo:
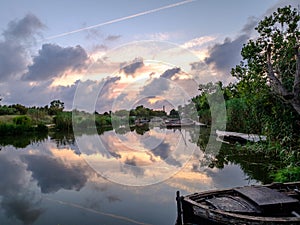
(52, 180)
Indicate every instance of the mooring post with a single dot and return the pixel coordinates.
(179, 211)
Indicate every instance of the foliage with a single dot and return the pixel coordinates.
(7, 110)
(174, 113)
(268, 87)
(22, 120)
(287, 174)
(273, 59)
(56, 107)
(63, 121)
(103, 120)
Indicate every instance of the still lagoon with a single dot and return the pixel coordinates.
(56, 178)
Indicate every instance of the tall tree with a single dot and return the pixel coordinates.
(274, 58)
(56, 106)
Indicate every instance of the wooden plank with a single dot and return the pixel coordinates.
(264, 196)
(233, 204)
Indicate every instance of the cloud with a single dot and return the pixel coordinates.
(53, 174)
(113, 198)
(24, 28)
(22, 208)
(198, 42)
(224, 56)
(198, 65)
(17, 201)
(280, 4)
(14, 178)
(161, 36)
(53, 61)
(131, 162)
(168, 74)
(108, 87)
(12, 60)
(112, 37)
(130, 167)
(250, 25)
(132, 67)
(163, 150)
(13, 54)
(156, 87)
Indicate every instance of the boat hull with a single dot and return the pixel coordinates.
(194, 211)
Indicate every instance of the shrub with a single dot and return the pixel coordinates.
(22, 120)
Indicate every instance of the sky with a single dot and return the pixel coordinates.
(109, 55)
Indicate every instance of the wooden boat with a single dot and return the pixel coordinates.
(272, 204)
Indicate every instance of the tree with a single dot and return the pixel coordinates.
(174, 113)
(56, 106)
(273, 58)
(21, 109)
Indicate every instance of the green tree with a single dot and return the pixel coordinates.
(21, 109)
(274, 57)
(56, 106)
(266, 97)
(142, 112)
(174, 113)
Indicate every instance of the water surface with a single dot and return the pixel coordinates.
(50, 180)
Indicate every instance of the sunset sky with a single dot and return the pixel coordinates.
(121, 53)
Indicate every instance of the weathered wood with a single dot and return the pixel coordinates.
(233, 204)
(206, 208)
(179, 211)
(265, 197)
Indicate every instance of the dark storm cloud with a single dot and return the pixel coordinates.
(132, 67)
(13, 54)
(52, 174)
(168, 74)
(53, 61)
(224, 56)
(24, 28)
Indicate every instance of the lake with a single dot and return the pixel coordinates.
(124, 176)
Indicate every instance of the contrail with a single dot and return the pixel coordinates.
(121, 19)
(97, 212)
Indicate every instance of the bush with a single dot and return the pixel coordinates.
(22, 120)
(63, 121)
(288, 174)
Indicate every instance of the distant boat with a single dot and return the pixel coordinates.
(271, 204)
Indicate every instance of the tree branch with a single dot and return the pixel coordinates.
(296, 87)
(277, 85)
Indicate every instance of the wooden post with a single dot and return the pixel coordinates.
(179, 211)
